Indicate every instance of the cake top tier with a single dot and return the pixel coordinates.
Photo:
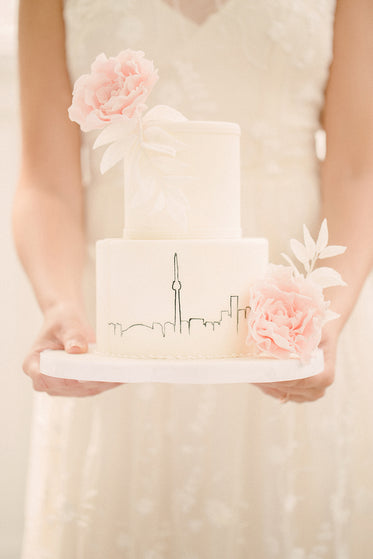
(184, 181)
(202, 126)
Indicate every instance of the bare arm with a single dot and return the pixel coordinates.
(347, 173)
(48, 209)
(48, 215)
(346, 179)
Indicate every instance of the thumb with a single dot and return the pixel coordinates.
(75, 340)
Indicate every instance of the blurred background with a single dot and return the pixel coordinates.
(19, 314)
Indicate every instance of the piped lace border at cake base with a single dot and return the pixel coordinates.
(178, 357)
(248, 356)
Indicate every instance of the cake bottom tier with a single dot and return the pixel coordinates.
(176, 299)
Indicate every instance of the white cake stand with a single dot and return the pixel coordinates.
(97, 367)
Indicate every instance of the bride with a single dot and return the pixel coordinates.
(164, 471)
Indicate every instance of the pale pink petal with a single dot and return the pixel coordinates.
(286, 315)
(116, 86)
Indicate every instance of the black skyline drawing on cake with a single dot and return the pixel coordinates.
(181, 326)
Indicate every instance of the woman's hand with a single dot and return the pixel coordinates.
(49, 205)
(64, 328)
(312, 388)
(346, 180)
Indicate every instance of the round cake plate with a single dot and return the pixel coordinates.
(97, 367)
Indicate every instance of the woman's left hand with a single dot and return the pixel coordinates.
(311, 388)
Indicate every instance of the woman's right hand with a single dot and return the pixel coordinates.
(66, 328)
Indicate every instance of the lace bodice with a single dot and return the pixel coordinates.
(261, 64)
(251, 62)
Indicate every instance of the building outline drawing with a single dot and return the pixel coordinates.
(179, 325)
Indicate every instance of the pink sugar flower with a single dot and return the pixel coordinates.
(288, 309)
(287, 315)
(116, 88)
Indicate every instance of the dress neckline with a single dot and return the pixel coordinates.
(198, 24)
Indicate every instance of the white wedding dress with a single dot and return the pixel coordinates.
(213, 472)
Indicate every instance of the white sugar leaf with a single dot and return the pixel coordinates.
(164, 112)
(159, 148)
(280, 341)
(160, 203)
(177, 195)
(299, 250)
(289, 261)
(111, 133)
(177, 206)
(309, 243)
(331, 315)
(142, 193)
(155, 134)
(141, 179)
(116, 131)
(167, 165)
(322, 239)
(332, 250)
(178, 213)
(326, 277)
(178, 180)
(114, 153)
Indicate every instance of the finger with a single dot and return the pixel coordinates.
(285, 385)
(74, 340)
(80, 389)
(309, 383)
(310, 395)
(31, 367)
(280, 395)
(98, 388)
(59, 386)
(275, 393)
(45, 383)
(31, 364)
(98, 384)
(302, 399)
(296, 399)
(296, 395)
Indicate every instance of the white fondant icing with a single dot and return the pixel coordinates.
(192, 193)
(168, 298)
(177, 285)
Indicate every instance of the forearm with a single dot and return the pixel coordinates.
(347, 172)
(347, 202)
(49, 236)
(48, 207)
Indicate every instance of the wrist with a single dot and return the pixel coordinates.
(63, 305)
(342, 301)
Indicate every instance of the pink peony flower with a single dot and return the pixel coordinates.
(287, 315)
(116, 88)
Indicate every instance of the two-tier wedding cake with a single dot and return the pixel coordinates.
(182, 283)
(177, 284)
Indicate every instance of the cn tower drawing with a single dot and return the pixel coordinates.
(176, 286)
(232, 316)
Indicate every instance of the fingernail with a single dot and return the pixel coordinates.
(285, 398)
(73, 345)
